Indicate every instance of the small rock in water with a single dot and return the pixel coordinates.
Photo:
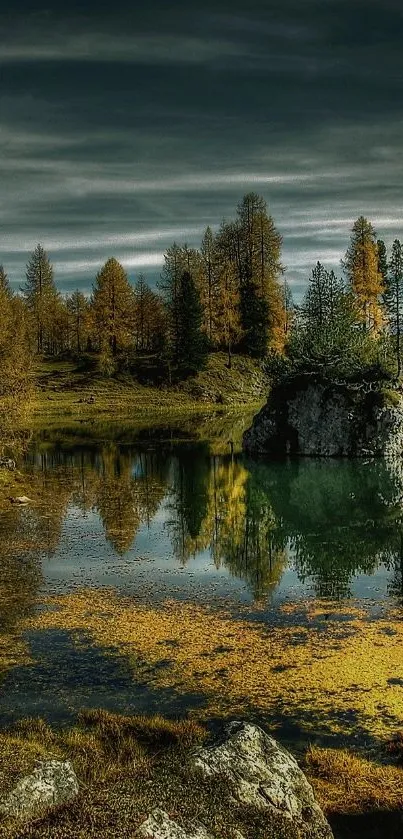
(53, 782)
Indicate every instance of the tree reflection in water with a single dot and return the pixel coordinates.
(327, 520)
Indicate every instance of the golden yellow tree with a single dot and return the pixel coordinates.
(113, 307)
(361, 266)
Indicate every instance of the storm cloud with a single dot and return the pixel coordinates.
(123, 130)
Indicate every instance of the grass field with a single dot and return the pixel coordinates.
(64, 392)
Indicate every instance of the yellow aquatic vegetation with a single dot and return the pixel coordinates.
(13, 653)
(339, 676)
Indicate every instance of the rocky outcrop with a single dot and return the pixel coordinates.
(53, 782)
(262, 774)
(327, 420)
(160, 826)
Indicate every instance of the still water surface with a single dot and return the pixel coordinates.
(159, 522)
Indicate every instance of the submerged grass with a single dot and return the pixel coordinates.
(331, 677)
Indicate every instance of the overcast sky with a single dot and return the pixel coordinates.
(127, 127)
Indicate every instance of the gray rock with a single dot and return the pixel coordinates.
(262, 774)
(52, 782)
(323, 420)
(20, 499)
(160, 826)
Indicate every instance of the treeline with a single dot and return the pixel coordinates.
(227, 295)
(350, 327)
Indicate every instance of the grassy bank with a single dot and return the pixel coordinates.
(127, 766)
(67, 393)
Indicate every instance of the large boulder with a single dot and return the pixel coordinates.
(328, 420)
(263, 775)
(160, 826)
(53, 782)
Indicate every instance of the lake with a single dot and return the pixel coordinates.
(157, 576)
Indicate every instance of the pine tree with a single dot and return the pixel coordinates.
(178, 259)
(78, 309)
(383, 264)
(41, 295)
(361, 266)
(190, 341)
(113, 308)
(255, 321)
(394, 297)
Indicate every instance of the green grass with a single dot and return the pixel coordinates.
(64, 393)
(128, 765)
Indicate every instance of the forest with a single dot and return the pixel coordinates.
(229, 295)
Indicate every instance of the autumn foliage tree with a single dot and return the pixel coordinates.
(112, 306)
(41, 297)
(362, 269)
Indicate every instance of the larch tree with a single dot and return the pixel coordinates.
(259, 260)
(361, 266)
(113, 306)
(209, 286)
(5, 287)
(78, 310)
(41, 296)
(149, 318)
(16, 381)
(229, 301)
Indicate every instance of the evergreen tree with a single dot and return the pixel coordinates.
(169, 285)
(254, 316)
(383, 265)
(288, 309)
(113, 308)
(41, 296)
(361, 265)
(326, 336)
(394, 297)
(191, 343)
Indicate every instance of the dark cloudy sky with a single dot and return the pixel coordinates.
(125, 127)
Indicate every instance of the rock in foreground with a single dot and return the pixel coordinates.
(262, 774)
(328, 420)
(160, 826)
(53, 782)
